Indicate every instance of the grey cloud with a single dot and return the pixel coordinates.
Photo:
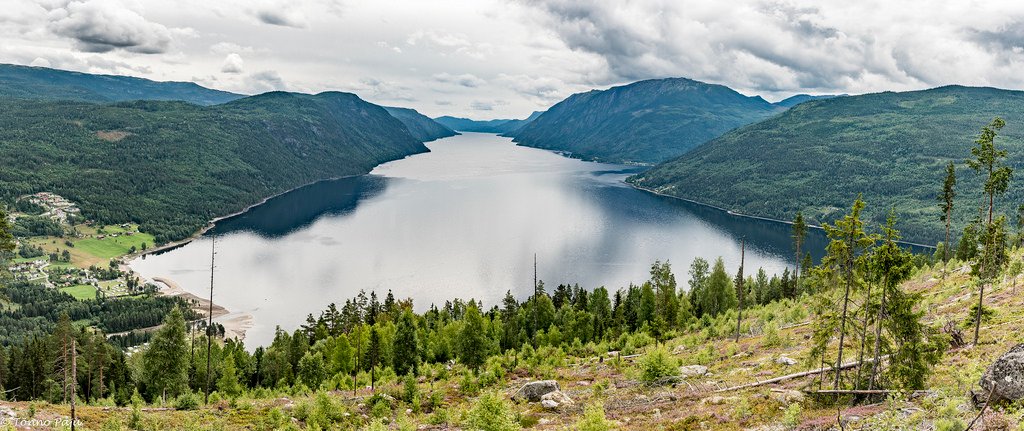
(478, 105)
(280, 16)
(1007, 37)
(267, 80)
(463, 80)
(102, 26)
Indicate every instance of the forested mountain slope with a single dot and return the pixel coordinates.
(53, 84)
(889, 146)
(645, 122)
(420, 126)
(172, 166)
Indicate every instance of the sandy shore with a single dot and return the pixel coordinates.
(235, 324)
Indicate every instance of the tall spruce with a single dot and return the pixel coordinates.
(405, 356)
(988, 160)
(946, 205)
(164, 363)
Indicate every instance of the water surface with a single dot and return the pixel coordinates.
(461, 221)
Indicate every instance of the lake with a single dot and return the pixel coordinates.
(464, 220)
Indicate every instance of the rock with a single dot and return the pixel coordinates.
(679, 350)
(544, 421)
(715, 400)
(692, 370)
(785, 360)
(533, 391)
(583, 383)
(788, 396)
(548, 404)
(1005, 378)
(559, 397)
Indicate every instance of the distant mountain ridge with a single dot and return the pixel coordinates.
(499, 126)
(794, 100)
(819, 155)
(643, 122)
(29, 82)
(421, 126)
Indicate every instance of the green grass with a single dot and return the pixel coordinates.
(81, 292)
(111, 247)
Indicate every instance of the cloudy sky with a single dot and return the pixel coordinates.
(506, 58)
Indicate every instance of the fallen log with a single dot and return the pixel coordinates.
(847, 365)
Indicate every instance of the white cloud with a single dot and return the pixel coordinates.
(232, 64)
(267, 80)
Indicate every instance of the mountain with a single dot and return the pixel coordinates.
(817, 156)
(488, 126)
(28, 82)
(643, 122)
(421, 126)
(173, 166)
(792, 101)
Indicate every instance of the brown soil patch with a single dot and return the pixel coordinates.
(112, 135)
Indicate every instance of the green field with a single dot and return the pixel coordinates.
(81, 292)
(111, 247)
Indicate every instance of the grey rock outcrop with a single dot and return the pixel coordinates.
(533, 391)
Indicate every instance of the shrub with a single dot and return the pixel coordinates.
(376, 425)
(593, 419)
(771, 336)
(657, 366)
(791, 418)
(943, 424)
(186, 401)
(491, 413)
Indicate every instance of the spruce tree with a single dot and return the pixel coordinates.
(228, 382)
(946, 205)
(472, 343)
(406, 345)
(799, 235)
(165, 366)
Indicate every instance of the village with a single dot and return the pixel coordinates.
(61, 250)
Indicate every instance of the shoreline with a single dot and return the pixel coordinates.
(235, 323)
(737, 214)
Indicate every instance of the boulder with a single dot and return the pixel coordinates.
(558, 397)
(1005, 378)
(693, 370)
(548, 404)
(785, 360)
(787, 396)
(533, 391)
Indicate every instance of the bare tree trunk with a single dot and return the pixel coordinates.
(863, 338)
(740, 289)
(878, 339)
(846, 301)
(74, 381)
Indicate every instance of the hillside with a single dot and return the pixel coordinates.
(499, 126)
(173, 166)
(607, 387)
(53, 84)
(643, 122)
(889, 146)
(420, 126)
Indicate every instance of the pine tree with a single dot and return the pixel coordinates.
(406, 348)
(373, 356)
(988, 161)
(664, 284)
(165, 366)
(698, 283)
(848, 241)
